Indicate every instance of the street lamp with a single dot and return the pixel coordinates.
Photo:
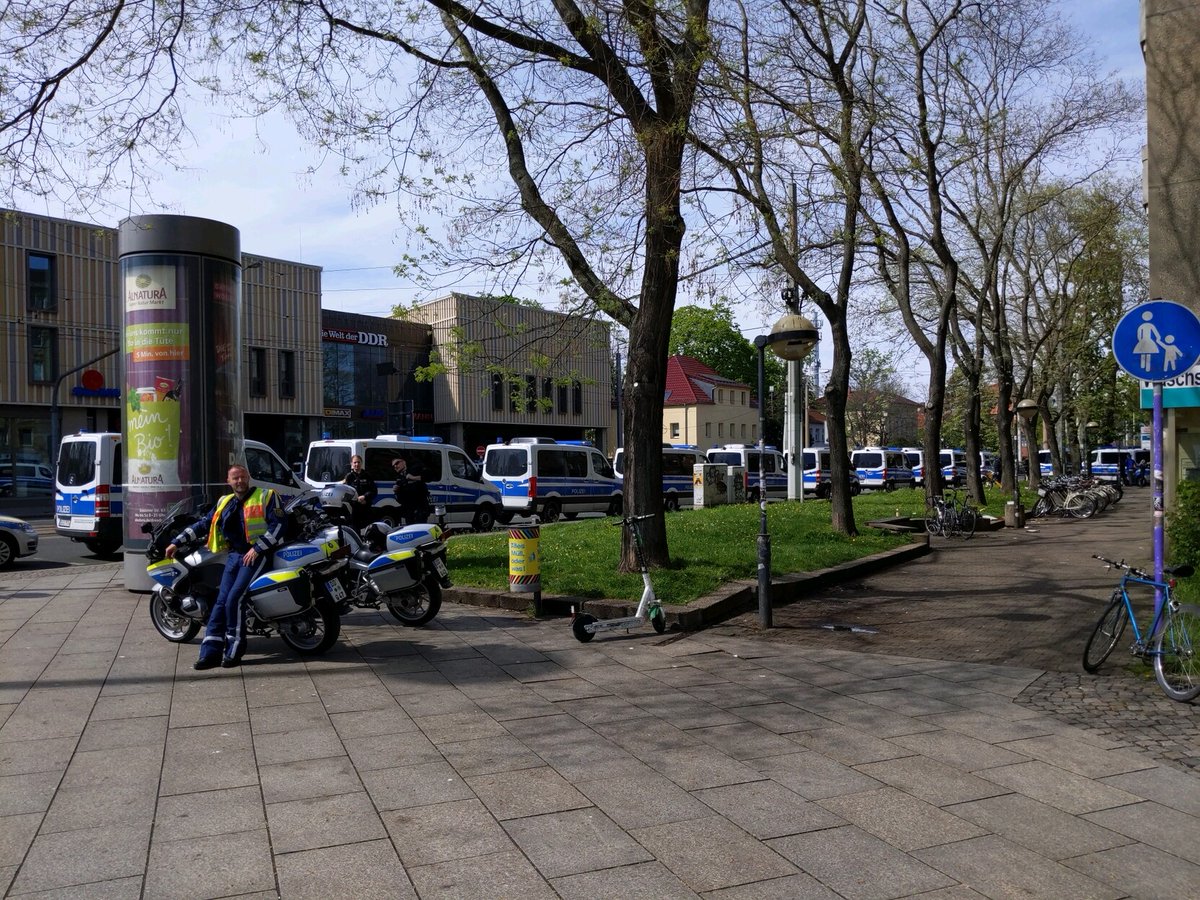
(791, 338)
(1027, 409)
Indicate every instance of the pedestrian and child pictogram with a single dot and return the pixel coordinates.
(1157, 340)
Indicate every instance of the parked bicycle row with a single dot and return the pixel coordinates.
(1075, 496)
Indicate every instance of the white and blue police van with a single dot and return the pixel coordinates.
(916, 461)
(1045, 462)
(453, 480)
(882, 468)
(818, 471)
(774, 469)
(88, 493)
(678, 467)
(548, 478)
(1109, 462)
(954, 467)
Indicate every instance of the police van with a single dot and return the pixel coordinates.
(916, 461)
(549, 478)
(774, 470)
(818, 472)
(88, 496)
(454, 482)
(678, 465)
(882, 468)
(954, 467)
(1109, 462)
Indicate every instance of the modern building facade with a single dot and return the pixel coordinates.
(307, 372)
(369, 372)
(1171, 49)
(509, 369)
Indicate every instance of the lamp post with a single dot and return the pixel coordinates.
(1027, 410)
(791, 338)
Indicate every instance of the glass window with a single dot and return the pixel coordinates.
(725, 458)
(77, 463)
(674, 429)
(514, 392)
(552, 463)
(263, 466)
(547, 395)
(720, 429)
(576, 463)
(497, 392)
(562, 399)
(531, 394)
(43, 354)
(327, 463)
(287, 374)
(720, 395)
(258, 372)
(601, 466)
(40, 277)
(505, 463)
(461, 467)
(708, 429)
(577, 398)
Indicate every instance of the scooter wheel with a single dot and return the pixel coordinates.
(658, 619)
(579, 628)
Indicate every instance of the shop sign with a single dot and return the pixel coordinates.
(337, 412)
(366, 338)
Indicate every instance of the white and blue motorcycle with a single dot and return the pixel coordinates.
(298, 597)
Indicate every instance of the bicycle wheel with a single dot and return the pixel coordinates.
(934, 520)
(1080, 507)
(1040, 508)
(968, 518)
(1176, 663)
(1107, 632)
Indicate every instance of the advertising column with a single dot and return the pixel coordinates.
(181, 286)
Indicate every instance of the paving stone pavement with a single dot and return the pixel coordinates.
(493, 756)
(1023, 597)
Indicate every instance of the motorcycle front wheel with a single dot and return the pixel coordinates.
(175, 627)
(313, 631)
(418, 605)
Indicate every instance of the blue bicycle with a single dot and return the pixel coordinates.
(1171, 641)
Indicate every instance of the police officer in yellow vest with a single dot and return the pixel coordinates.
(249, 524)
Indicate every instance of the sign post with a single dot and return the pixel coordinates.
(1157, 341)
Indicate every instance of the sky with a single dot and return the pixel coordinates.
(252, 175)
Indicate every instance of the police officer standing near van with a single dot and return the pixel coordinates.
(249, 524)
(365, 490)
(412, 496)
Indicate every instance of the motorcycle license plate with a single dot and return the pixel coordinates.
(440, 567)
(335, 590)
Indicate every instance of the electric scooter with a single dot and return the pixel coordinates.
(585, 627)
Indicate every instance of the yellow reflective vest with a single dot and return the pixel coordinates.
(254, 512)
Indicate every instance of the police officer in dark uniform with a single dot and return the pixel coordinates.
(412, 496)
(365, 490)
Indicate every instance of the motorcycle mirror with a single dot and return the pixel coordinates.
(147, 527)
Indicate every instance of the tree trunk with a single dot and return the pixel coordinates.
(842, 511)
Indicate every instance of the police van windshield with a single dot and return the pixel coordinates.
(77, 463)
(726, 459)
(328, 463)
(504, 462)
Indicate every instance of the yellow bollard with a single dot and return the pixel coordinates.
(525, 563)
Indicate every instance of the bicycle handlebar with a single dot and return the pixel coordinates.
(1180, 571)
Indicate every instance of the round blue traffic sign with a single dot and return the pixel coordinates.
(1157, 341)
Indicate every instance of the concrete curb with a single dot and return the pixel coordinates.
(730, 600)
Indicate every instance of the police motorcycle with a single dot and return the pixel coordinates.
(297, 597)
(403, 569)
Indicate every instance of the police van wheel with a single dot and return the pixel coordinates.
(103, 548)
(672, 503)
(614, 507)
(752, 496)
(551, 510)
(485, 518)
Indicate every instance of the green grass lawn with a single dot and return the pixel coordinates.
(709, 547)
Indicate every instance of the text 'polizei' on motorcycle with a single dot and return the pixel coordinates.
(297, 598)
(404, 569)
